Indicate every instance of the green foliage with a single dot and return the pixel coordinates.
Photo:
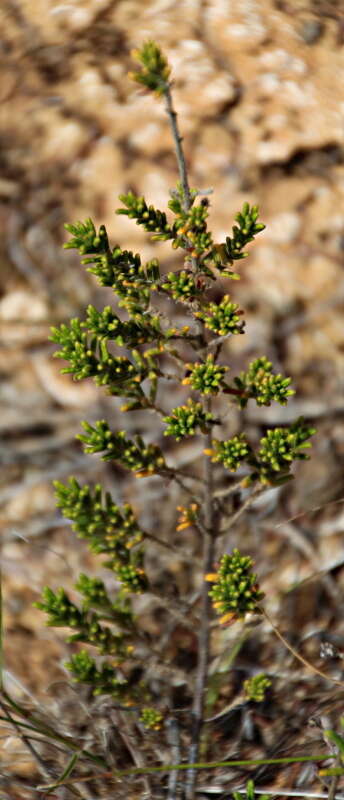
(222, 318)
(181, 286)
(63, 613)
(107, 325)
(278, 449)
(206, 377)
(235, 592)
(230, 453)
(152, 220)
(96, 596)
(255, 687)
(118, 269)
(151, 718)
(243, 233)
(85, 238)
(154, 69)
(185, 420)
(104, 680)
(191, 228)
(260, 383)
(250, 794)
(109, 529)
(138, 324)
(90, 358)
(281, 446)
(132, 454)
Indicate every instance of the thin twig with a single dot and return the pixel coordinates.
(227, 490)
(183, 555)
(245, 506)
(216, 341)
(297, 655)
(175, 477)
(179, 149)
(179, 613)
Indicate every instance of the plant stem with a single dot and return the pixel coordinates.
(179, 150)
(173, 738)
(209, 517)
(204, 635)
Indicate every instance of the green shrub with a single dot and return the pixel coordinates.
(192, 356)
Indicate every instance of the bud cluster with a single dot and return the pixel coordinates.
(151, 718)
(133, 454)
(63, 613)
(206, 377)
(278, 449)
(104, 679)
(151, 219)
(187, 516)
(235, 592)
(281, 446)
(243, 233)
(230, 453)
(109, 529)
(255, 687)
(186, 420)
(154, 68)
(222, 318)
(182, 286)
(262, 385)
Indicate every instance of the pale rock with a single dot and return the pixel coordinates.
(24, 306)
(271, 151)
(269, 83)
(67, 139)
(276, 122)
(218, 90)
(76, 15)
(29, 501)
(283, 228)
(282, 61)
(214, 153)
(156, 187)
(150, 138)
(94, 92)
(93, 173)
(62, 388)
(318, 277)
(271, 277)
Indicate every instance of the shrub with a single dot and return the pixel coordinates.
(157, 350)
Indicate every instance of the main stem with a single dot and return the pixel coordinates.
(204, 634)
(208, 522)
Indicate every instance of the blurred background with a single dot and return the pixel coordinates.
(258, 85)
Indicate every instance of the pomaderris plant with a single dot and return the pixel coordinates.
(134, 352)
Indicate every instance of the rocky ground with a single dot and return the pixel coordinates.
(258, 87)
